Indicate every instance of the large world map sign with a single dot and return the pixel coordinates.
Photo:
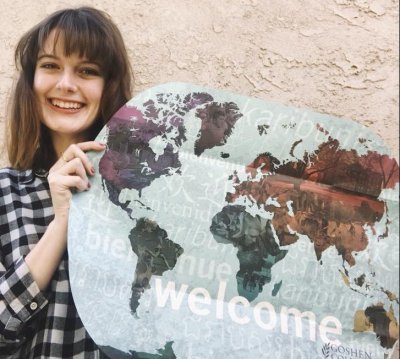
(223, 226)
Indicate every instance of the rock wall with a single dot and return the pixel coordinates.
(338, 57)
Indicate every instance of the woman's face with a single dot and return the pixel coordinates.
(68, 91)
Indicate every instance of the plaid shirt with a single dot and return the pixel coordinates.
(34, 324)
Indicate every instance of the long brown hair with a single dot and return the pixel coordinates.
(87, 32)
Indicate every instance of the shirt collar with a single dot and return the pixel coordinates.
(28, 176)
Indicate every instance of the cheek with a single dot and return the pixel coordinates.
(40, 85)
(36, 86)
(97, 92)
(39, 97)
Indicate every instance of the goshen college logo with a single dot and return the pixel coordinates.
(332, 351)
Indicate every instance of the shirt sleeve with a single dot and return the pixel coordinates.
(20, 300)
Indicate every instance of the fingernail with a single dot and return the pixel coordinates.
(89, 185)
(92, 170)
(102, 144)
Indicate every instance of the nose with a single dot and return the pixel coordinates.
(67, 82)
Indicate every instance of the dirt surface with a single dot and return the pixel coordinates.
(338, 57)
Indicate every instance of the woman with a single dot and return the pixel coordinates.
(74, 74)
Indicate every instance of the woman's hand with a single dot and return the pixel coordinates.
(71, 172)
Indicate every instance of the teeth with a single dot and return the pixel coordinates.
(63, 104)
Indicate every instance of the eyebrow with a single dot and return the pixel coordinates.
(54, 57)
(47, 55)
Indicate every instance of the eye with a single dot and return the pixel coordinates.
(48, 65)
(89, 71)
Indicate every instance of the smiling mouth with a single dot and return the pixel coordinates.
(66, 105)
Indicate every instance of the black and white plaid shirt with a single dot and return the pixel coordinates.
(34, 324)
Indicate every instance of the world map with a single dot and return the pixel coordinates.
(178, 149)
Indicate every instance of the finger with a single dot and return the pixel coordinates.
(78, 150)
(75, 152)
(82, 146)
(74, 167)
(59, 183)
(76, 182)
(91, 146)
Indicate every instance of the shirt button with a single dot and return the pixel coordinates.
(33, 306)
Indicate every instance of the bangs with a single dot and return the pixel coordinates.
(86, 32)
(79, 34)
